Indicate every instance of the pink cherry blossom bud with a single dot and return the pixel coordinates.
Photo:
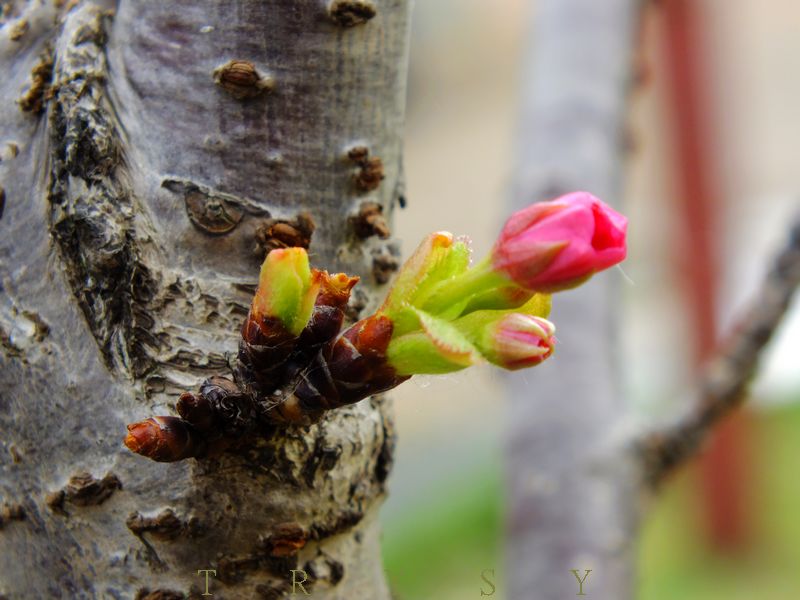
(557, 245)
(519, 340)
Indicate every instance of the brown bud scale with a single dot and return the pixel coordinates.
(38, 93)
(370, 221)
(164, 526)
(282, 233)
(370, 171)
(164, 439)
(349, 13)
(241, 79)
(287, 539)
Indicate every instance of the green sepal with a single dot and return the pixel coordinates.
(473, 326)
(286, 288)
(539, 305)
(438, 347)
(500, 298)
(449, 298)
(437, 259)
(451, 264)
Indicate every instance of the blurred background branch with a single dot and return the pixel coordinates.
(723, 384)
(572, 497)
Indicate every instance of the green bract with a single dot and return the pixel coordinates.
(438, 259)
(436, 346)
(444, 313)
(286, 289)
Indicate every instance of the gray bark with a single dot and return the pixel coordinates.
(114, 300)
(573, 480)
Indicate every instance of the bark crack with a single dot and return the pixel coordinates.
(91, 204)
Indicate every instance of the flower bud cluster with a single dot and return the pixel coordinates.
(441, 315)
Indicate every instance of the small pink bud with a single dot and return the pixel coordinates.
(519, 341)
(557, 245)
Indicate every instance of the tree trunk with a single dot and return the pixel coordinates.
(133, 203)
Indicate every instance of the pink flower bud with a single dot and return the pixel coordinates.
(557, 245)
(519, 341)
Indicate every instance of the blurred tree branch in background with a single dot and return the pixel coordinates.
(723, 384)
(572, 489)
(577, 472)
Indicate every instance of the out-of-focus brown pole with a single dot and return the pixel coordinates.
(723, 468)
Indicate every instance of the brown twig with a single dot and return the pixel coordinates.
(724, 381)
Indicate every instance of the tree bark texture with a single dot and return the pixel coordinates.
(133, 202)
(573, 479)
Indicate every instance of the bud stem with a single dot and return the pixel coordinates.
(480, 278)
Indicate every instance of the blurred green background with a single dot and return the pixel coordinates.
(440, 548)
